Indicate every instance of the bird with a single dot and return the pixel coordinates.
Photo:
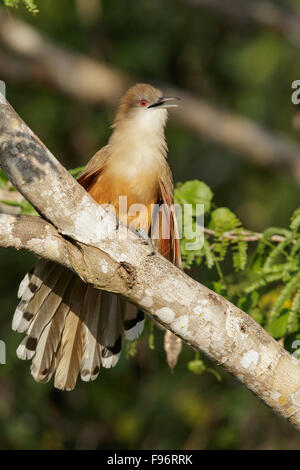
(70, 327)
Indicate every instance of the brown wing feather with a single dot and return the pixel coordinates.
(170, 246)
(94, 168)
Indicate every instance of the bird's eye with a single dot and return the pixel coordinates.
(143, 103)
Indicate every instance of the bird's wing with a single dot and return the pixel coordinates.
(94, 167)
(168, 246)
(168, 242)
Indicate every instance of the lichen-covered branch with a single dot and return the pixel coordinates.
(34, 234)
(119, 263)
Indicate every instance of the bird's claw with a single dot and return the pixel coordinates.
(146, 240)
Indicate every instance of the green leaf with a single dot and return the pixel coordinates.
(30, 5)
(131, 349)
(260, 256)
(151, 337)
(220, 288)
(257, 316)
(279, 251)
(285, 294)
(223, 220)
(295, 248)
(11, 203)
(295, 223)
(208, 254)
(291, 342)
(25, 206)
(279, 327)
(194, 192)
(263, 281)
(76, 171)
(197, 366)
(248, 302)
(240, 255)
(3, 179)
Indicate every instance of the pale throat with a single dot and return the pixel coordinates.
(137, 152)
(138, 146)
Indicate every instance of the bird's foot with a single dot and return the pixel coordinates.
(146, 240)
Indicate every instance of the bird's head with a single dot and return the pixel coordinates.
(144, 106)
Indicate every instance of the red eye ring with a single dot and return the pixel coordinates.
(143, 103)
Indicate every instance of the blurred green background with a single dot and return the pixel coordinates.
(140, 404)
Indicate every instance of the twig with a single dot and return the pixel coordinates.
(246, 236)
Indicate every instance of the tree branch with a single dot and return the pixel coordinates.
(246, 236)
(204, 320)
(263, 13)
(34, 234)
(94, 82)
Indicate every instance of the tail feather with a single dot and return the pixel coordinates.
(50, 305)
(40, 284)
(134, 320)
(24, 284)
(91, 357)
(71, 347)
(43, 363)
(71, 328)
(32, 280)
(111, 329)
(29, 285)
(51, 300)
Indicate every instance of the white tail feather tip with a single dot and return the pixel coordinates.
(23, 286)
(135, 332)
(111, 361)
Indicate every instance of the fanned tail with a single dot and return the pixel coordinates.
(71, 328)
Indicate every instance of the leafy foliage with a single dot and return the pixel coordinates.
(268, 287)
(29, 4)
(220, 221)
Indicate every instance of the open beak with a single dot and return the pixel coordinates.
(164, 102)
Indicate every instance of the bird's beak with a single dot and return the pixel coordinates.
(164, 102)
